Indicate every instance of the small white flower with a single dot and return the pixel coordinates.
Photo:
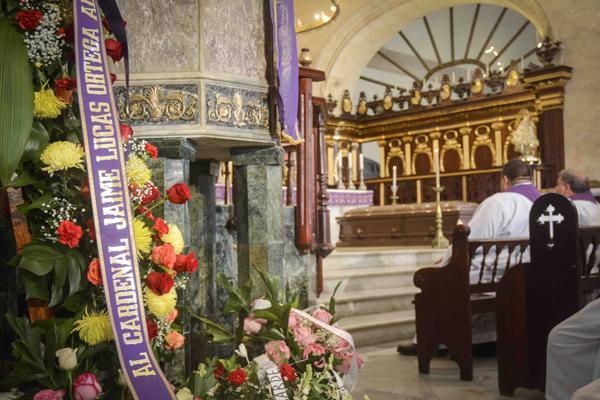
(185, 394)
(261, 304)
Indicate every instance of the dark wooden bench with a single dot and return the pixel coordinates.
(448, 299)
(533, 298)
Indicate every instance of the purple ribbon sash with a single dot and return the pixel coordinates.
(112, 211)
(526, 189)
(284, 37)
(586, 196)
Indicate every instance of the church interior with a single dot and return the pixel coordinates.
(409, 116)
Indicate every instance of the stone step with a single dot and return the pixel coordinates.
(368, 302)
(390, 326)
(370, 279)
(370, 257)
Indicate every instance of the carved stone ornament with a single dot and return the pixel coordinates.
(164, 104)
(236, 107)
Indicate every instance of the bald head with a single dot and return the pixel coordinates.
(570, 182)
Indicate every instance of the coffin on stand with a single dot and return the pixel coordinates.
(401, 224)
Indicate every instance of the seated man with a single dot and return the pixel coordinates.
(504, 215)
(576, 186)
(574, 344)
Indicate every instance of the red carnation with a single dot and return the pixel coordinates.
(113, 77)
(65, 83)
(186, 263)
(179, 193)
(61, 32)
(159, 283)
(152, 328)
(114, 49)
(160, 226)
(219, 371)
(90, 229)
(288, 373)
(29, 19)
(154, 194)
(69, 233)
(126, 132)
(237, 377)
(151, 150)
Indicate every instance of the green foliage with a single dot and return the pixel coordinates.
(43, 263)
(16, 99)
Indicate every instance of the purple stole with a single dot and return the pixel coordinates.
(586, 196)
(526, 189)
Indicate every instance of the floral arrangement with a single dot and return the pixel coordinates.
(65, 349)
(314, 359)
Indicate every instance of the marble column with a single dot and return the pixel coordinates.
(216, 252)
(258, 209)
(173, 166)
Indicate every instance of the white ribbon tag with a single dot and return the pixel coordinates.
(270, 370)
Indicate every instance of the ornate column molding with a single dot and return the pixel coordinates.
(465, 133)
(498, 145)
(407, 140)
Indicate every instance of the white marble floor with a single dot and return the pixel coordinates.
(388, 375)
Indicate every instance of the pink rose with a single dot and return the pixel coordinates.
(292, 321)
(172, 315)
(49, 394)
(346, 364)
(277, 351)
(86, 387)
(253, 325)
(174, 340)
(342, 347)
(304, 335)
(315, 349)
(322, 316)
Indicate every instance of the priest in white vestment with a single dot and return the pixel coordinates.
(573, 361)
(504, 215)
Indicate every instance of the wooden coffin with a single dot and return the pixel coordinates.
(400, 225)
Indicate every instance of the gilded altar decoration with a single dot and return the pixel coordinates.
(395, 151)
(362, 104)
(512, 79)
(451, 144)
(237, 108)
(158, 104)
(422, 147)
(524, 137)
(388, 100)
(482, 139)
(346, 103)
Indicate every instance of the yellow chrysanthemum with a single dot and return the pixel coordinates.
(138, 172)
(47, 105)
(94, 327)
(161, 305)
(143, 237)
(62, 155)
(174, 238)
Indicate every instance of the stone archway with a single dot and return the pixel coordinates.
(358, 39)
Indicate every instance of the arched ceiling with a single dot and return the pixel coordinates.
(452, 41)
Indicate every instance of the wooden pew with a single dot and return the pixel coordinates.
(448, 300)
(533, 298)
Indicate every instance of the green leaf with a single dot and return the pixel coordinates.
(23, 180)
(16, 99)
(39, 259)
(38, 139)
(36, 287)
(219, 333)
(25, 208)
(60, 277)
(74, 273)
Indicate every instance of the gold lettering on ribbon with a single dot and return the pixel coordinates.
(145, 368)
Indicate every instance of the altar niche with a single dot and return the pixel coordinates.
(475, 134)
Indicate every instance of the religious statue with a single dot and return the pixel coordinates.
(445, 89)
(388, 101)
(361, 109)
(512, 78)
(478, 84)
(524, 137)
(346, 103)
(415, 94)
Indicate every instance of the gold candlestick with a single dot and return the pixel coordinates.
(439, 241)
